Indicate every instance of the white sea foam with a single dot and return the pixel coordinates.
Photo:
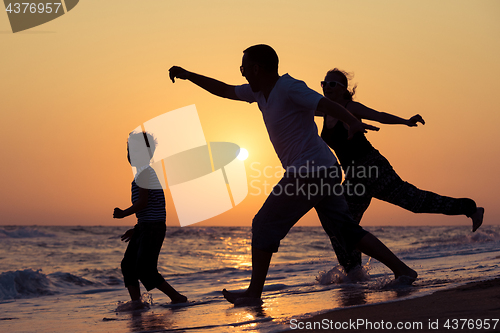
(22, 284)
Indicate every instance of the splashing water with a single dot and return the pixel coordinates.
(144, 303)
(338, 275)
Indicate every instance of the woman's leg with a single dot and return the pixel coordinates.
(385, 184)
(409, 197)
(336, 219)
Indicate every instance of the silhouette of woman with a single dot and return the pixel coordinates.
(369, 175)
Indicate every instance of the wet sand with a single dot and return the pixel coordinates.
(469, 308)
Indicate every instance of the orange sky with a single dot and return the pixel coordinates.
(72, 89)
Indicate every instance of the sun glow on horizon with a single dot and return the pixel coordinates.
(242, 154)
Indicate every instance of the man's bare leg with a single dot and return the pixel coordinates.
(372, 246)
(260, 266)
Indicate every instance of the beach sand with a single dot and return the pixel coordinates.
(478, 302)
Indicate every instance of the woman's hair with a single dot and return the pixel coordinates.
(344, 78)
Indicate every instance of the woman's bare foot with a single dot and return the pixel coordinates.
(477, 218)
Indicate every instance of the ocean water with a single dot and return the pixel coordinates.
(68, 279)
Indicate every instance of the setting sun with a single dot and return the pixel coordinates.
(242, 154)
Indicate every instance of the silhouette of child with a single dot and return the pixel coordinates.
(146, 238)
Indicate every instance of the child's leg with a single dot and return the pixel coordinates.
(174, 295)
(134, 292)
(149, 250)
(128, 267)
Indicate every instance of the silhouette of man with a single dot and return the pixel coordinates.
(312, 172)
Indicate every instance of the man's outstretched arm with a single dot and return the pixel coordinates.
(213, 86)
(336, 110)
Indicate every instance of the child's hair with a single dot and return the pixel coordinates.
(344, 78)
(146, 137)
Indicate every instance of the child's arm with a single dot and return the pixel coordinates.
(141, 203)
(128, 235)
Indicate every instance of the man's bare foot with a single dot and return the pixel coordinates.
(248, 301)
(179, 299)
(231, 297)
(241, 299)
(477, 218)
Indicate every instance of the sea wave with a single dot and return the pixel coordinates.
(24, 284)
(33, 283)
(23, 232)
(484, 235)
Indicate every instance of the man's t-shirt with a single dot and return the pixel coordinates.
(289, 117)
